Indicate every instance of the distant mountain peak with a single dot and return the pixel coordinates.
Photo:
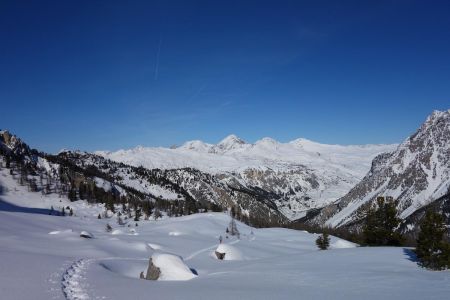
(229, 143)
(196, 145)
(232, 138)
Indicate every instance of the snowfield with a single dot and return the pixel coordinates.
(44, 257)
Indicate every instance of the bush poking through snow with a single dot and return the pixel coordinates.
(323, 241)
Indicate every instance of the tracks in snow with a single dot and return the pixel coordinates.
(73, 285)
(192, 255)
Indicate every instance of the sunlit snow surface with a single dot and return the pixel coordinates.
(43, 257)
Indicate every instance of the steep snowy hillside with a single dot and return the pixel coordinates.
(299, 175)
(416, 174)
(44, 257)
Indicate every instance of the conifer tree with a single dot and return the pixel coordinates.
(323, 241)
(108, 227)
(7, 162)
(432, 250)
(72, 194)
(137, 215)
(381, 223)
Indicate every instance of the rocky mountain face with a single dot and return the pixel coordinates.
(295, 177)
(417, 174)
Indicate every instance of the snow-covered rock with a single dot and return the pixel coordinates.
(171, 267)
(230, 251)
(86, 234)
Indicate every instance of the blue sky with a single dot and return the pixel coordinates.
(96, 75)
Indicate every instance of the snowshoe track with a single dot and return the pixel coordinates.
(72, 283)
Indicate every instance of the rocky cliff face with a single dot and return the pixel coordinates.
(417, 173)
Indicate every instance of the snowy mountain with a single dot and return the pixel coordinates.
(45, 256)
(417, 174)
(86, 176)
(299, 175)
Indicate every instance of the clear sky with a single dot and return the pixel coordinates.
(105, 75)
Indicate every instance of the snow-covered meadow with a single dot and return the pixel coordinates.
(44, 257)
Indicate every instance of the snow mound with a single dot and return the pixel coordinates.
(231, 252)
(172, 267)
(60, 231)
(117, 231)
(343, 244)
(86, 234)
(154, 246)
(175, 233)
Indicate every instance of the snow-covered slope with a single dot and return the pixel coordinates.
(43, 257)
(300, 174)
(416, 174)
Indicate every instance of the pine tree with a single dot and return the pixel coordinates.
(7, 162)
(72, 194)
(381, 223)
(108, 227)
(137, 215)
(323, 241)
(432, 251)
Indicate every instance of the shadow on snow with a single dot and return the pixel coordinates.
(5, 206)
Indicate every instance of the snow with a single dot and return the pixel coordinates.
(43, 257)
(342, 244)
(231, 252)
(172, 267)
(297, 170)
(103, 184)
(161, 192)
(232, 154)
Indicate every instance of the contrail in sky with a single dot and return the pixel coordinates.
(157, 58)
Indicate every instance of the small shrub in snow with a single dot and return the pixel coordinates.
(108, 228)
